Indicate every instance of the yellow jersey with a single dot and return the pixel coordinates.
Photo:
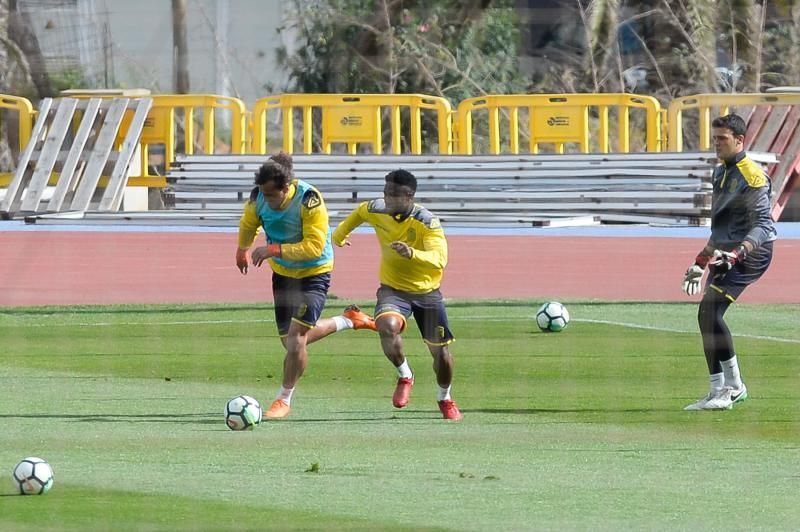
(300, 226)
(420, 229)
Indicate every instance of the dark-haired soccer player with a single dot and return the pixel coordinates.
(295, 220)
(413, 257)
(737, 254)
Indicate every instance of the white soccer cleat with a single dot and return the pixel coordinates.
(701, 403)
(726, 398)
(738, 395)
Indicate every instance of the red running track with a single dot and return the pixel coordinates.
(76, 268)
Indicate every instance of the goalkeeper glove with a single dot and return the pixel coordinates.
(725, 260)
(692, 278)
(241, 260)
(693, 275)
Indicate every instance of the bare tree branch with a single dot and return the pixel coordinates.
(653, 61)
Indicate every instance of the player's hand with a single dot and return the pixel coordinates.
(403, 249)
(262, 253)
(343, 243)
(725, 260)
(692, 278)
(241, 260)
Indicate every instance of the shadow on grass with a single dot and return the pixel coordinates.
(124, 418)
(531, 411)
(406, 415)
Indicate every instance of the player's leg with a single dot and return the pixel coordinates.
(431, 317)
(284, 300)
(443, 367)
(351, 318)
(391, 310)
(717, 343)
(294, 365)
(307, 298)
(722, 291)
(283, 304)
(357, 319)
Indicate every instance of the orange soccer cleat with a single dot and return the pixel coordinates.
(450, 410)
(402, 391)
(277, 410)
(360, 319)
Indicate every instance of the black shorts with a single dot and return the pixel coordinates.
(428, 310)
(300, 300)
(732, 283)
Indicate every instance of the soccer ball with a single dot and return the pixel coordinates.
(552, 317)
(33, 476)
(242, 413)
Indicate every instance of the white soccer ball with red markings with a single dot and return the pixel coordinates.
(552, 317)
(33, 476)
(242, 413)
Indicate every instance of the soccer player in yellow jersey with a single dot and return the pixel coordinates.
(295, 221)
(413, 257)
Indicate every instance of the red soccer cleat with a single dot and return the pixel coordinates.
(450, 410)
(402, 391)
(360, 319)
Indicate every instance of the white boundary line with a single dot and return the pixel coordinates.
(667, 329)
(128, 323)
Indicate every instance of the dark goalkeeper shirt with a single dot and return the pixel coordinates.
(740, 205)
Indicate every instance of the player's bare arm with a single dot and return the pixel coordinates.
(262, 253)
(241, 260)
(249, 226)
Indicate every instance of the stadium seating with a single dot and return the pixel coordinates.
(505, 190)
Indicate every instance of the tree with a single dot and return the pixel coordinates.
(685, 47)
(792, 7)
(781, 44)
(449, 48)
(740, 23)
(180, 50)
(601, 23)
(5, 44)
(20, 32)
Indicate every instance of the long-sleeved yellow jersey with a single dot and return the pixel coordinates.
(420, 229)
(300, 226)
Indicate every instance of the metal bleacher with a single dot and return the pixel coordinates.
(496, 190)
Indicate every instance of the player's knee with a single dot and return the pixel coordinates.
(711, 312)
(439, 352)
(389, 325)
(296, 340)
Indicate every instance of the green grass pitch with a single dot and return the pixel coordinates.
(582, 429)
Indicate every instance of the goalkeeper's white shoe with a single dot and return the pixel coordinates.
(726, 398)
(701, 403)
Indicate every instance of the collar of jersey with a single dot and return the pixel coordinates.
(289, 196)
(402, 216)
(736, 158)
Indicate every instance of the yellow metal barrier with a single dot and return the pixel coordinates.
(709, 106)
(200, 117)
(25, 118)
(561, 120)
(353, 119)
(200, 114)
